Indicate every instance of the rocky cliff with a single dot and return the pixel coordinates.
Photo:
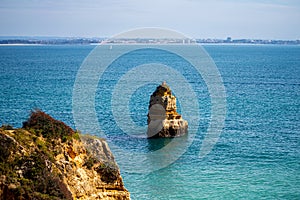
(48, 160)
(163, 119)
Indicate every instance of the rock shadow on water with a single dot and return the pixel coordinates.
(155, 144)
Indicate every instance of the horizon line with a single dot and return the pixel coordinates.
(9, 37)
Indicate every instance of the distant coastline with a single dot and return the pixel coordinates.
(94, 41)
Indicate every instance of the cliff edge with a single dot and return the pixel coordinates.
(48, 160)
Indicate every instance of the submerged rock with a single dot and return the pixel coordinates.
(163, 119)
(48, 160)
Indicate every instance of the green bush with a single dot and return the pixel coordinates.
(90, 162)
(42, 123)
(109, 172)
(7, 127)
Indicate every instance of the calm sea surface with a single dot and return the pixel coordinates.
(256, 157)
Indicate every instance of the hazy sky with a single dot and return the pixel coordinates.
(266, 19)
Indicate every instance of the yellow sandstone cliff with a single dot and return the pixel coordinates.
(48, 160)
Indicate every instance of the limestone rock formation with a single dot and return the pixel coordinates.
(48, 160)
(163, 119)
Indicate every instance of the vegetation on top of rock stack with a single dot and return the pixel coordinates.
(41, 123)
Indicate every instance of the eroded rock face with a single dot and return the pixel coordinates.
(163, 119)
(36, 166)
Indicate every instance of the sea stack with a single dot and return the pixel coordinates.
(163, 119)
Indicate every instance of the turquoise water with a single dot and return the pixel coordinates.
(257, 155)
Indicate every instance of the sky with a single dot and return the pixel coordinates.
(256, 19)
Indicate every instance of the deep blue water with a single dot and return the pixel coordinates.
(257, 155)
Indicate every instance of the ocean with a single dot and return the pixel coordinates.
(256, 155)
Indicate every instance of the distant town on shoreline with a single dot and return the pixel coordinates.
(10, 40)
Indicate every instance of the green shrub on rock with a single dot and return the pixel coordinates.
(41, 123)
